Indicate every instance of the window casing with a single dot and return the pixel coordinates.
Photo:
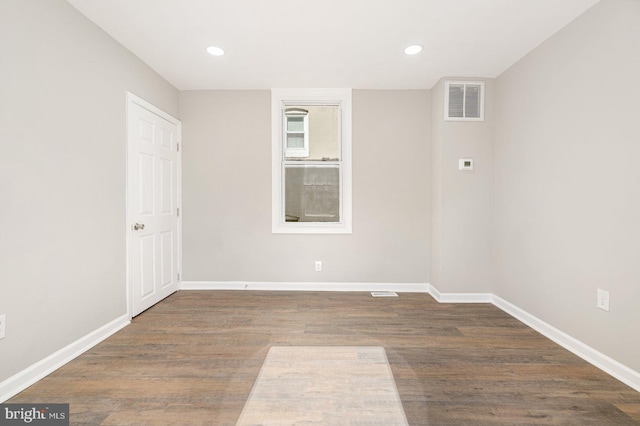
(464, 101)
(311, 181)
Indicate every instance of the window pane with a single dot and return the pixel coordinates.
(324, 130)
(456, 99)
(295, 124)
(295, 141)
(312, 194)
(472, 101)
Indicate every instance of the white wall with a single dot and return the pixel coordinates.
(62, 175)
(462, 203)
(227, 193)
(567, 216)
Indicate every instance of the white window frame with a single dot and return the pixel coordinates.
(448, 83)
(297, 152)
(280, 100)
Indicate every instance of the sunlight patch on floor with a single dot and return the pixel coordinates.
(324, 385)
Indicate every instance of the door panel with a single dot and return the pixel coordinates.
(147, 265)
(166, 253)
(166, 187)
(153, 194)
(145, 184)
(167, 138)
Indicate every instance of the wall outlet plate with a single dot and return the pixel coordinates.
(465, 164)
(603, 300)
(318, 266)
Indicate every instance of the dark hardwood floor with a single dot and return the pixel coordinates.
(193, 358)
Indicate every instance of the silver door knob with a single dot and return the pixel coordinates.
(137, 226)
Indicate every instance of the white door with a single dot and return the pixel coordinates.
(153, 209)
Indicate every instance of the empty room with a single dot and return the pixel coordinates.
(421, 212)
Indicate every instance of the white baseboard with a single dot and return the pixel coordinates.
(459, 297)
(304, 286)
(22, 380)
(610, 366)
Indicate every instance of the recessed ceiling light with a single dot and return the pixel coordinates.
(215, 51)
(413, 49)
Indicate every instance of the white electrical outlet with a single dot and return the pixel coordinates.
(318, 266)
(3, 325)
(603, 300)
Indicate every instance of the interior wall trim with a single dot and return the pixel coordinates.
(305, 286)
(459, 297)
(30, 375)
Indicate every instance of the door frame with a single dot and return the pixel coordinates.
(136, 100)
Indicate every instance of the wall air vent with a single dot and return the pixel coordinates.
(464, 101)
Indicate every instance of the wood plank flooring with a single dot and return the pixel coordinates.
(192, 359)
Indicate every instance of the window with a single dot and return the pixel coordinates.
(297, 132)
(311, 160)
(464, 100)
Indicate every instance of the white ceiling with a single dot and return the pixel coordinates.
(328, 43)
